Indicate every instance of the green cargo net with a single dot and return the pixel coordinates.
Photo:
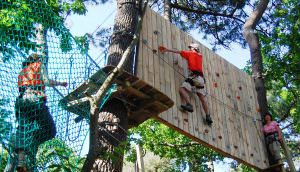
(36, 132)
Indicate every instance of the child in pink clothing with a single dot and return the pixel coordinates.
(272, 127)
(273, 138)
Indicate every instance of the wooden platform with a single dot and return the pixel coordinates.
(143, 100)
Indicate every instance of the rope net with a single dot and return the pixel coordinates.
(40, 63)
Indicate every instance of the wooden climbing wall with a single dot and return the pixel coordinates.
(231, 97)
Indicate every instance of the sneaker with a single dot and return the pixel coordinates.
(208, 120)
(188, 107)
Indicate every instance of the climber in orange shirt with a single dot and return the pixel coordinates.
(194, 80)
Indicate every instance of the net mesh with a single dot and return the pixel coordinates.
(35, 130)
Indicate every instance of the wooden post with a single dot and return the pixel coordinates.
(139, 155)
(288, 155)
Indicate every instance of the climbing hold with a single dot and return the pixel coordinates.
(206, 131)
(217, 74)
(186, 120)
(229, 96)
(215, 84)
(265, 161)
(251, 154)
(235, 146)
(250, 97)
(240, 88)
(156, 32)
(220, 137)
(258, 109)
(238, 97)
(154, 51)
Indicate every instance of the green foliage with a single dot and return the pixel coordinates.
(55, 155)
(167, 143)
(18, 23)
(3, 158)
(19, 19)
(244, 168)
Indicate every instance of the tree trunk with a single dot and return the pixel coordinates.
(110, 132)
(252, 39)
(124, 28)
(112, 135)
(256, 58)
(167, 10)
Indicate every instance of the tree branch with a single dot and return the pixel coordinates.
(287, 126)
(255, 15)
(183, 8)
(287, 113)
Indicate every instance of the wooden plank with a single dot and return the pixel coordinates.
(145, 49)
(207, 67)
(228, 104)
(170, 74)
(150, 35)
(244, 130)
(160, 38)
(238, 115)
(223, 119)
(244, 97)
(155, 47)
(218, 136)
(220, 108)
(257, 128)
(243, 133)
(231, 111)
(174, 74)
(139, 72)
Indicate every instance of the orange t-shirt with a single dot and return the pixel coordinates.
(194, 60)
(31, 76)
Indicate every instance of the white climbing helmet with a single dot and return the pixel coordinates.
(195, 46)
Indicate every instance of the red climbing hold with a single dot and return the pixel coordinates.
(215, 84)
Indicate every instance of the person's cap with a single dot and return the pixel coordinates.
(194, 45)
